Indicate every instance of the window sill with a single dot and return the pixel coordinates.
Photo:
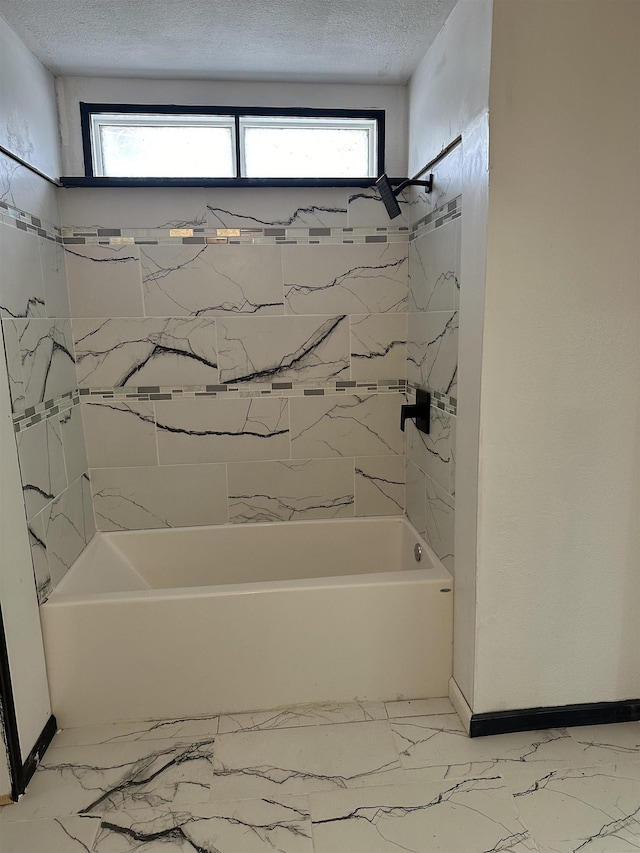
(218, 182)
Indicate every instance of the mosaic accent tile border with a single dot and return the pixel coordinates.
(445, 402)
(437, 218)
(43, 411)
(149, 393)
(233, 236)
(27, 222)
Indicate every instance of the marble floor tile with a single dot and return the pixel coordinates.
(311, 715)
(611, 743)
(419, 708)
(300, 760)
(437, 747)
(95, 780)
(186, 730)
(246, 826)
(467, 816)
(590, 809)
(74, 834)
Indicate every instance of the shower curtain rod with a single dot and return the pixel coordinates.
(438, 157)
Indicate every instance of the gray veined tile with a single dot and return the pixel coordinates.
(266, 349)
(416, 497)
(439, 522)
(156, 497)
(417, 350)
(48, 362)
(21, 287)
(189, 729)
(438, 747)
(75, 454)
(442, 351)
(96, 780)
(304, 759)
(378, 346)
(366, 209)
(42, 468)
(104, 281)
(13, 355)
(419, 707)
(38, 542)
(290, 490)
(465, 816)
(298, 208)
(74, 834)
(352, 425)
(211, 280)
(65, 530)
(54, 274)
(590, 809)
(119, 434)
(301, 715)
(87, 507)
(246, 826)
(142, 351)
(219, 430)
(434, 276)
(431, 452)
(380, 485)
(347, 279)
(619, 742)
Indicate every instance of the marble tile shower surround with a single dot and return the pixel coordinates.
(369, 776)
(245, 368)
(200, 307)
(432, 352)
(38, 346)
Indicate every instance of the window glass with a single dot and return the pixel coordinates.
(154, 151)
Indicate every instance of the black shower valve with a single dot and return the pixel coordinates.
(421, 411)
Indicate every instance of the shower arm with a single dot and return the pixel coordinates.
(411, 182)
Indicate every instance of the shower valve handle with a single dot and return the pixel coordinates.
(420, 411)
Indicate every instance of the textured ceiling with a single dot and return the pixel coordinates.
(357, 41)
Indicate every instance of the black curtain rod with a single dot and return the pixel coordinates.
(438, 157)
(28, 166)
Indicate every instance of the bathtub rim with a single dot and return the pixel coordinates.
(436, 573)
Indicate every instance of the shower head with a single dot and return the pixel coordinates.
(388, 194)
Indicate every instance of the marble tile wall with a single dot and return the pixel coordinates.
(246, 368)
(38, 346)
(432, 353)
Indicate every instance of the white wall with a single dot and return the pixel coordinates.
(28, 121)
(72, 90)
(558, 552)
(448, 96)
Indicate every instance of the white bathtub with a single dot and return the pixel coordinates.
(160, 624)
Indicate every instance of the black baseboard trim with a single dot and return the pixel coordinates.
(39, 749)
(556, 717)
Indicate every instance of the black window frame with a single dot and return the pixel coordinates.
(87, 110)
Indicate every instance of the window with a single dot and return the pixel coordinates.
(231, 144)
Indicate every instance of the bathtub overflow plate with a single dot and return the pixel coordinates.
(417, 552)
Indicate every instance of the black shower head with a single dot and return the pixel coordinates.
(388, 196)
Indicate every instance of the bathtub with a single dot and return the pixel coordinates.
(164, 624)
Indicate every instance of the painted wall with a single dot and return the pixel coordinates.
(448, 97)
(28, 123)
(558, 550)
(72, 90)
(247, 367)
